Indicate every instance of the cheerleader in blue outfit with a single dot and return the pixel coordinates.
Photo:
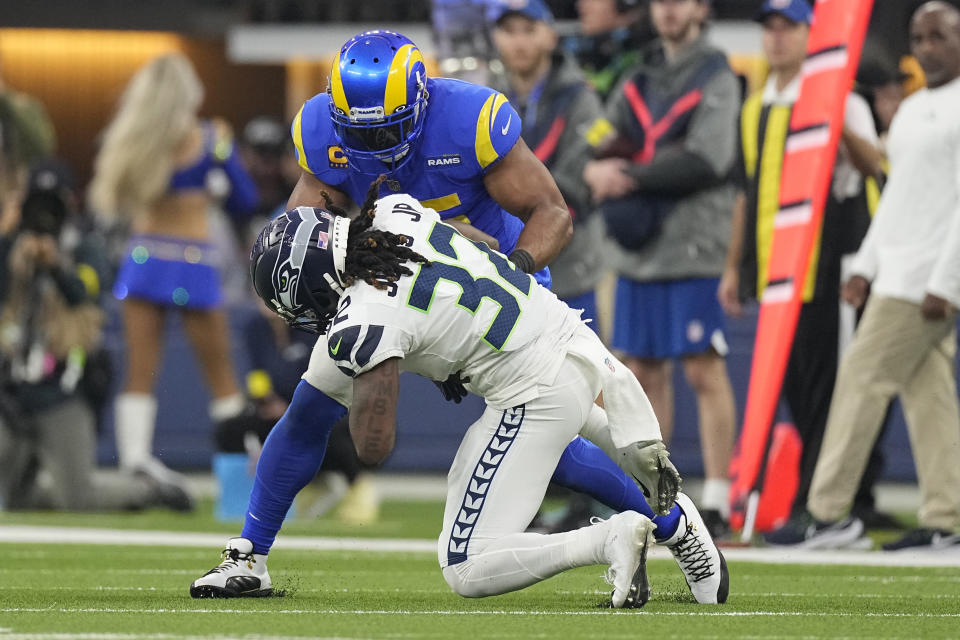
(155, 172)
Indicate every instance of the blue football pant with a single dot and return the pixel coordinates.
(295, 448)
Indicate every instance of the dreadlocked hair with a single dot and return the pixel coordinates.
(373, 255)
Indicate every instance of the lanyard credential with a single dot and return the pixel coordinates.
(533, 100)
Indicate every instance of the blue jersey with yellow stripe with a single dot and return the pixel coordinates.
(467, 129)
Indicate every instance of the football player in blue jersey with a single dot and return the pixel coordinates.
(456, 148)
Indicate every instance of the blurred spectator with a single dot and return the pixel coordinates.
(612, 34)
(558, 108)
(906, 343)
(882, 85)
(158, 171)
(290, 170)
(463, 46)
(764, 120)
(264, 142)
(26, 136)
(50, 329)
(667, 202)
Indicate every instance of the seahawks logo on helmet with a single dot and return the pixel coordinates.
(285, 280)
(297, 264)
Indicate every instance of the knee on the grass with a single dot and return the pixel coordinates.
(462, 579)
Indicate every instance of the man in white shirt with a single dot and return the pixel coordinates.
(906, 342)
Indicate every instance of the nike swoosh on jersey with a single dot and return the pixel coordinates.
(334, 350)
(506, 127)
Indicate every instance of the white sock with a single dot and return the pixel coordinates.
(135, 415)
(716, 493)
(522, 559)
(227, 407)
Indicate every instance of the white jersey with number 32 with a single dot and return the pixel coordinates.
(469, 311)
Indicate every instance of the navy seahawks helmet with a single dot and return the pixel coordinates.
(297, 265)
(378, 99)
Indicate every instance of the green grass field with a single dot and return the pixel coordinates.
(67, 591)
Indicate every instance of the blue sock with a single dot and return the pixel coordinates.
(291, 456)
(667, 525)
(585, 468)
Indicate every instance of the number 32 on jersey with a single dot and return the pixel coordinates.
(475, 289)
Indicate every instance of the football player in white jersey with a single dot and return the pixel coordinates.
(397, 289)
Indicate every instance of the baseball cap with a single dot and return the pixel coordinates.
(793, 10)
(536, 10)
(265, 134)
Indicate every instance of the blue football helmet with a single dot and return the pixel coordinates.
(378, 100)
(297, 265)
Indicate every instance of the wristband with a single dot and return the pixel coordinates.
(523, 260)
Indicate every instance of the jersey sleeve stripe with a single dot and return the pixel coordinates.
(298, 142)
(442, 203)
(498, 102)
(486, 154)
(370, 343)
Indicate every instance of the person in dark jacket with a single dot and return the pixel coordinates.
(661, 178)
(609, 42)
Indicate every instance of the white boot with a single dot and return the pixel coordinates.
(135, 416)
(699, 558)
(133, 422)
(241, 574)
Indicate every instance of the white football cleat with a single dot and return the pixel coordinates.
(171, 489)
(626, 551)
(241, 574)
(703, 566)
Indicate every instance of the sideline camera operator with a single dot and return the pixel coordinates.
(51, 327)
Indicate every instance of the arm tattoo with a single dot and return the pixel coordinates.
(373, 414)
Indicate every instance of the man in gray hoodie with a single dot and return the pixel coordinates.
(661, 179)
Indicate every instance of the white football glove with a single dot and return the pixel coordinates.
(648, 463)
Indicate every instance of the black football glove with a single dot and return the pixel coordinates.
(452, 388)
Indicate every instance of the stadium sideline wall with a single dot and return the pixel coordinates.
(429, 429)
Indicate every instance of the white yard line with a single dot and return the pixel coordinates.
(80, 535)
(461, 612)
(6, 634)
(444, 592)
(772, 555)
